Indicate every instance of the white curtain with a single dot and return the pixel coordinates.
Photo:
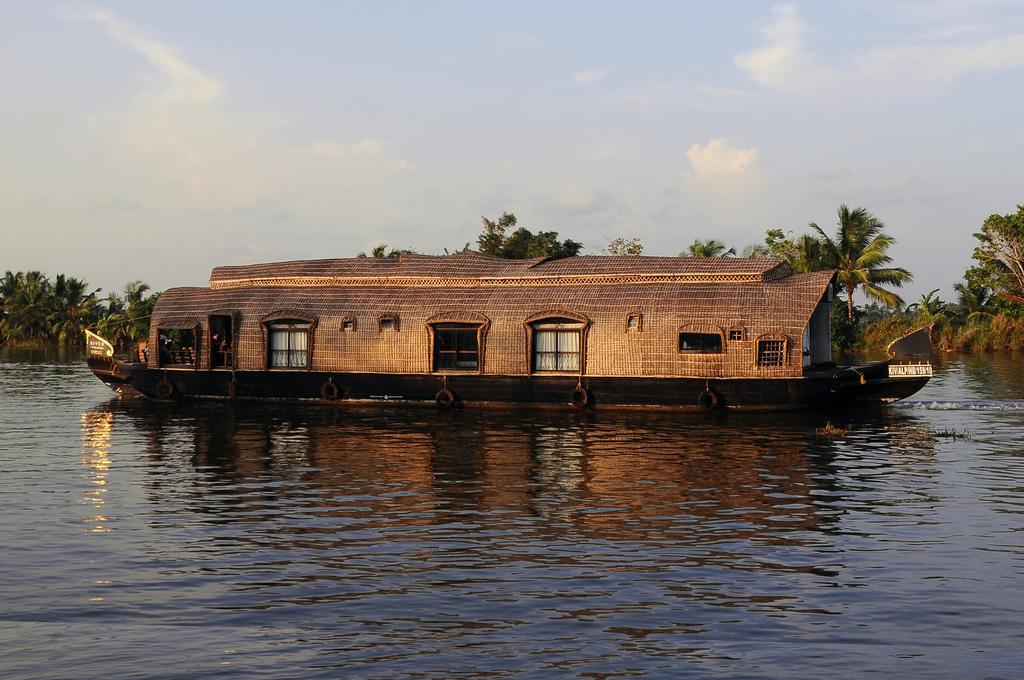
(556, 350)
(545, 344)
(288, 346)
(278, 348)
(297, 345)
(568, 350)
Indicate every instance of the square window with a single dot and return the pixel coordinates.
(771, 352)
(736, 334)
(456, 347)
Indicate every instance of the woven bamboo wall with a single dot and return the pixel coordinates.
(778, 305)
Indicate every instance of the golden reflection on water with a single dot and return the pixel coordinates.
(96, 430)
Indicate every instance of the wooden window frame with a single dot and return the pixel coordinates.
(564, 320)
(639, 328)
(783, 353)
(700, 329)
(285, 316)
(392, 318)
(467, 319)
(741, 331)
(349, 320)
(236, 318)
(196, 330)
(452, 327)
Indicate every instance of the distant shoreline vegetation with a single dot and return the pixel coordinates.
(988, 315)
(37, 312)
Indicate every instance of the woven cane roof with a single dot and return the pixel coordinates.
(473, 268)
(672, 295)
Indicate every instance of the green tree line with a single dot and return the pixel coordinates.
(36, 311)
(987, 315)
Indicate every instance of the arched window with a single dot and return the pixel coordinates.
(457, 341)
(289, 344)
(557, 342)
(634, 322)
(289, 339)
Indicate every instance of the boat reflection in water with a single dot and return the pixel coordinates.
(462, 543)
(613, 476)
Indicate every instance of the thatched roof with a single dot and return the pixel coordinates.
(471, 268)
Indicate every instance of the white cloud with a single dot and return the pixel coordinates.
(182, 128)
(589, 76)
(940, 64)
(575, 197)
(720, 163)
(784, 63)
(188, 86)
(332, 149)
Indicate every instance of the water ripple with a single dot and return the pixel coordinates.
(254, 540)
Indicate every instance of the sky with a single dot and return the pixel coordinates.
(156, 140)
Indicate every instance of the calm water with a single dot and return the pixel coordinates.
(142, 540)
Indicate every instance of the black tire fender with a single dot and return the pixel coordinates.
(445, 398)
(580, 397)
(165, 390)
(329, 391)
(707, 400)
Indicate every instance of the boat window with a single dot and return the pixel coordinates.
(388, 322)
(736, 334)
(348, 324)
(556, 345)
(221, 341)
(456, 347)
(771, 352)
(289, 344)
(177, 348)
(701, 343)
(634, 322)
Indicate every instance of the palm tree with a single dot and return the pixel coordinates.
(73, 310)
(859, 253)
(929, 307)
(27, 300)
(974, 301)
(712, 248)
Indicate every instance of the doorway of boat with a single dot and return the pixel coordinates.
(222, 341)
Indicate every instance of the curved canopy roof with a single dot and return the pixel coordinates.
(473, 268)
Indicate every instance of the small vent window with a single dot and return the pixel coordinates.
(771, 352)
(389, 322)
(736, 334)
(634, 323)
(348, 324)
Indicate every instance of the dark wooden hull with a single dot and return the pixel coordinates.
(820, 389)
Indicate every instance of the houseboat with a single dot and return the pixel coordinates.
(473, 330)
